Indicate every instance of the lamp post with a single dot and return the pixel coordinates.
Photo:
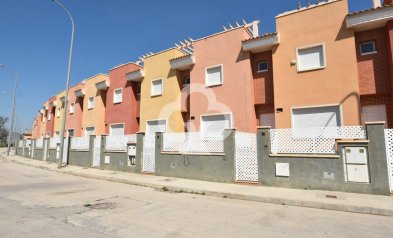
(13, 109)
(67, 85)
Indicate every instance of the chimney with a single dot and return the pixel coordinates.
(377, 3)
(387, 2)
(255, 30)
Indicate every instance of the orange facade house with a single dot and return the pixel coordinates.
(122, 101)
(75, 110)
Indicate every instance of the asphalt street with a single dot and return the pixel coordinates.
(40, 203)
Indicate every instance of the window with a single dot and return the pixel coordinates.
(215, 123)
(156, 87)
(116, 130)
(267, 119)
(58, 112)
(316, 117)
(156, 126)
(71, 132)
(367, 48)
(118, 95)
(311, 58)
(57, 134)
(90, 104)
(263, 67)
(72, 108)
(89, 131)
(49, 116)
(214, 76)
(186, 81)
(374, 113)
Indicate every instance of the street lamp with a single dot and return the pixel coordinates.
(13, 109)
(67, 86)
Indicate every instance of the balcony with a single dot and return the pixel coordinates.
(261, 43)
(80, 93)
(183, 62)
(135, 76)
(103, 85)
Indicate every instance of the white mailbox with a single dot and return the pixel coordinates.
(131, 150)
(356, 164)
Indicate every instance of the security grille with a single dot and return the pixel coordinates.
(318, 140)
(80, 143)
(389, 154)
(119, 142)
(149, 154)
(246, 157)
(193, 142)
(39, 143)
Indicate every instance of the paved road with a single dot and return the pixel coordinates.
(40, 203)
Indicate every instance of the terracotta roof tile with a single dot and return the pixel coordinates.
(371, 9)
(261, 36)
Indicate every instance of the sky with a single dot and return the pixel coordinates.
(35, 38)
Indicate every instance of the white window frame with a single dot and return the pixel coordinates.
(94, 129)
(90, 106)
(58, 112)
(216, 114)
(368, 53)
(114, 124)
(164, 119)
(309, 47)
(49, 116)
(114, 96)
(319, 106)
(222, 75)
(162, 87)
(72, 106)
(262, 62)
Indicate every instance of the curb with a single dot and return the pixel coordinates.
(263, 199)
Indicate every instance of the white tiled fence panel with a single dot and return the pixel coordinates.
(193, 142)
(319, 140)
(246, 156)
(389, 154)
(80, 143)
(119, 143)
(149, 153)
(39, 143)
(20, 144)
(53, 142)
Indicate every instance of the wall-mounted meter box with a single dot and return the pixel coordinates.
(356, 164)
(131, 150)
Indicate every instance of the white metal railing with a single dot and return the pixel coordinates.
(53, 142)
(389, 155)
(80, 143)
(193, 142)
(39, 143)
(20, 144)
(119, 143)
(319, 140)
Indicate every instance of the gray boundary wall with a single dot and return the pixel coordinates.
(82, 158)
(119, 159)
(208, 167)
(324, 173)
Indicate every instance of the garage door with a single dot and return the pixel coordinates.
(156, 126)
(316, 117)
(215, 123)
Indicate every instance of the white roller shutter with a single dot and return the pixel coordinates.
(156, 87)
(156, 126)
(214, 76)
(215, 123)
(316, 117)
(116, 130)
(311, 58)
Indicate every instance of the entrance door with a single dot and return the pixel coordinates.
(97, 152)
(374, 113)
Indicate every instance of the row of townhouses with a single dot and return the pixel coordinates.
(308, 106)
(323, 67)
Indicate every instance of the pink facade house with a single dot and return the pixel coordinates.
(50, 115)
(75, 110)
(122, 101)
(221, 91)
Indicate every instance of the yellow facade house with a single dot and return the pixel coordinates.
(160, 94)
(93, 122)
(59, 113)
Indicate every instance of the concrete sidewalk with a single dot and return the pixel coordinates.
(349, 202)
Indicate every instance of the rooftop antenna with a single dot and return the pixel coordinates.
(309, 3)
(299, 5)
